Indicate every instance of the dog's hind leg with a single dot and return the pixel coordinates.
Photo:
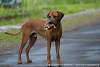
(21, 46)
(32, 40)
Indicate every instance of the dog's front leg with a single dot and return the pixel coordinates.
(57, 44)
(49, 52)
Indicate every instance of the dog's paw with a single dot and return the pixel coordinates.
(49, 65)
(30, 61)
(19, 62)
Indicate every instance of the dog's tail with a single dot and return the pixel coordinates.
(12, 33)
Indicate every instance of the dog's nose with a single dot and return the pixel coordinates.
(50, 22)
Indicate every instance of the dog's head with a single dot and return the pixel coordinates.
(55, 16)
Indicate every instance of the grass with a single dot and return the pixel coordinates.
(74, 21)
(38, 9)
(5, 37)
(9, 42)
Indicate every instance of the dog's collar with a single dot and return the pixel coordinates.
(48, 26)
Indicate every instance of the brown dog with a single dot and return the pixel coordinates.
(51, 30)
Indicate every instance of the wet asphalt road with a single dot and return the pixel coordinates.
(81, 47)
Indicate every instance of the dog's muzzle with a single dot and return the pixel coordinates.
(48, 25)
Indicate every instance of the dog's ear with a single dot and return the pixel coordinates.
(48, 14)
(61, 15)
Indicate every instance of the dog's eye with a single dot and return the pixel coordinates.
(54, 16)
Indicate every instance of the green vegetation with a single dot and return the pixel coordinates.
(9, 37)
(74, 22)
(39, 8)
(8, 41)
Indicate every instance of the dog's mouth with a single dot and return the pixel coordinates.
(49, 25)
(52, 22)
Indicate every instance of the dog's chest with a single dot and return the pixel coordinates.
(54, 37)
(55, 34)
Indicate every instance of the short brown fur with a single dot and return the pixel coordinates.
(29, 30)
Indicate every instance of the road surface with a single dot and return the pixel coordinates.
(81, 47)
